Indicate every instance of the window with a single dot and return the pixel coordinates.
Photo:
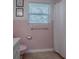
(38, 13)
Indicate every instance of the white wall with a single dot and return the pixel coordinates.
(59, 28)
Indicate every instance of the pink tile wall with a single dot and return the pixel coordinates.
(41, 39)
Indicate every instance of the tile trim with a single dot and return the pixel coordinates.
(39, 50)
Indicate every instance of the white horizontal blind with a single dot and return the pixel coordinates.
(38, 13)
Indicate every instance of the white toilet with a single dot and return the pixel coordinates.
(23, 48)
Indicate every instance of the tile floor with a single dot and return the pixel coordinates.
(42, 55)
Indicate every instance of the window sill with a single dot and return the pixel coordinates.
(39, 28)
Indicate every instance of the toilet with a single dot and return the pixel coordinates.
(23, 49)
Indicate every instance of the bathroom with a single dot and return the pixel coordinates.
(39, 39)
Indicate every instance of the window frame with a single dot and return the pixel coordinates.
(47, 14)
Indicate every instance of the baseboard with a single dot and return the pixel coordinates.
(39, 50)
(59, 54)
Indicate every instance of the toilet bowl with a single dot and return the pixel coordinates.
(23, 49)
